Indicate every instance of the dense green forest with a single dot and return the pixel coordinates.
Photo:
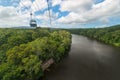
(110, 35)
(23, 51)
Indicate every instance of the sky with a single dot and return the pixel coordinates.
(64, 13)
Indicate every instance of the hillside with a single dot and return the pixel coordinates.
(110, 35)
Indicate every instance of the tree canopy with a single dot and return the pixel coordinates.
(110, 35)
(23, 51)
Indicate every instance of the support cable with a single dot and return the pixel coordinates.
(49, 12)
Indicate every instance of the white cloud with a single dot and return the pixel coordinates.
(56, 2)
(20, 15)
(39, 5)
(80, 12)
(76, 6)
(9, 17)
(25, 3)
(44, 18)
(83, 12)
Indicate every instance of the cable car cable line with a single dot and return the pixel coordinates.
(35, 6)
(49, 12)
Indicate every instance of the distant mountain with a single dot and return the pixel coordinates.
(24, 27)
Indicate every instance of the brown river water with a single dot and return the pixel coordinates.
(87, 60)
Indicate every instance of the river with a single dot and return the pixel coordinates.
(87, 60)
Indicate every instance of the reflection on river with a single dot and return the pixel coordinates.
(87, 60)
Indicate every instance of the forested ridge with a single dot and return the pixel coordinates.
(22, 51)
(110, 35)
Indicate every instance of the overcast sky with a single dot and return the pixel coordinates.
(65, 13)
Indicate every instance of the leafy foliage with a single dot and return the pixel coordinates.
(23, 51)
(110, 35)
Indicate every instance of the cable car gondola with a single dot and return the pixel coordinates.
(33, 23)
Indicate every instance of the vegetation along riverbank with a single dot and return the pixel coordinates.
(109, 35)
(23, 51)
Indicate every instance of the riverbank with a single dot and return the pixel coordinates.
(87, 60)
(109, 35)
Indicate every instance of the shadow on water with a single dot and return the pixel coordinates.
(87, 60)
